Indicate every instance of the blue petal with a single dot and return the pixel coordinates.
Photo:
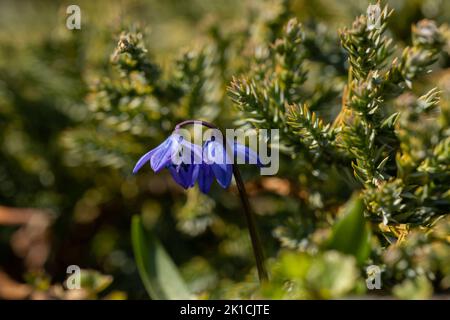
(205, 178)
(196, 153)
(223, 174)
(163, 154)
(195, 169)
(215, 153)
(217, 158)
(146, 157)
(184, 175)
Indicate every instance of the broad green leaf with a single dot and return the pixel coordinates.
(157, 270)
(351, 234)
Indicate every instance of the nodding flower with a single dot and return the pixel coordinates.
(189, 163)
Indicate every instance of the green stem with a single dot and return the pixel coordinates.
(251, 224)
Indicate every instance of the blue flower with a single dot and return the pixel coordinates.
(189, 163)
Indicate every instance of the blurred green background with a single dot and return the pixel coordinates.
(66, 190)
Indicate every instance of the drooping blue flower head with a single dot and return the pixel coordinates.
(188, 162)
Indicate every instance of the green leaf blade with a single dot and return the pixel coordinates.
(351, 234)
(158, 272)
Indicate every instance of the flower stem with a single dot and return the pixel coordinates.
(202, 122)
(251, 224)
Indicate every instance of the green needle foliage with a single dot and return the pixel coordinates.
(372, 134)
(367, 131)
